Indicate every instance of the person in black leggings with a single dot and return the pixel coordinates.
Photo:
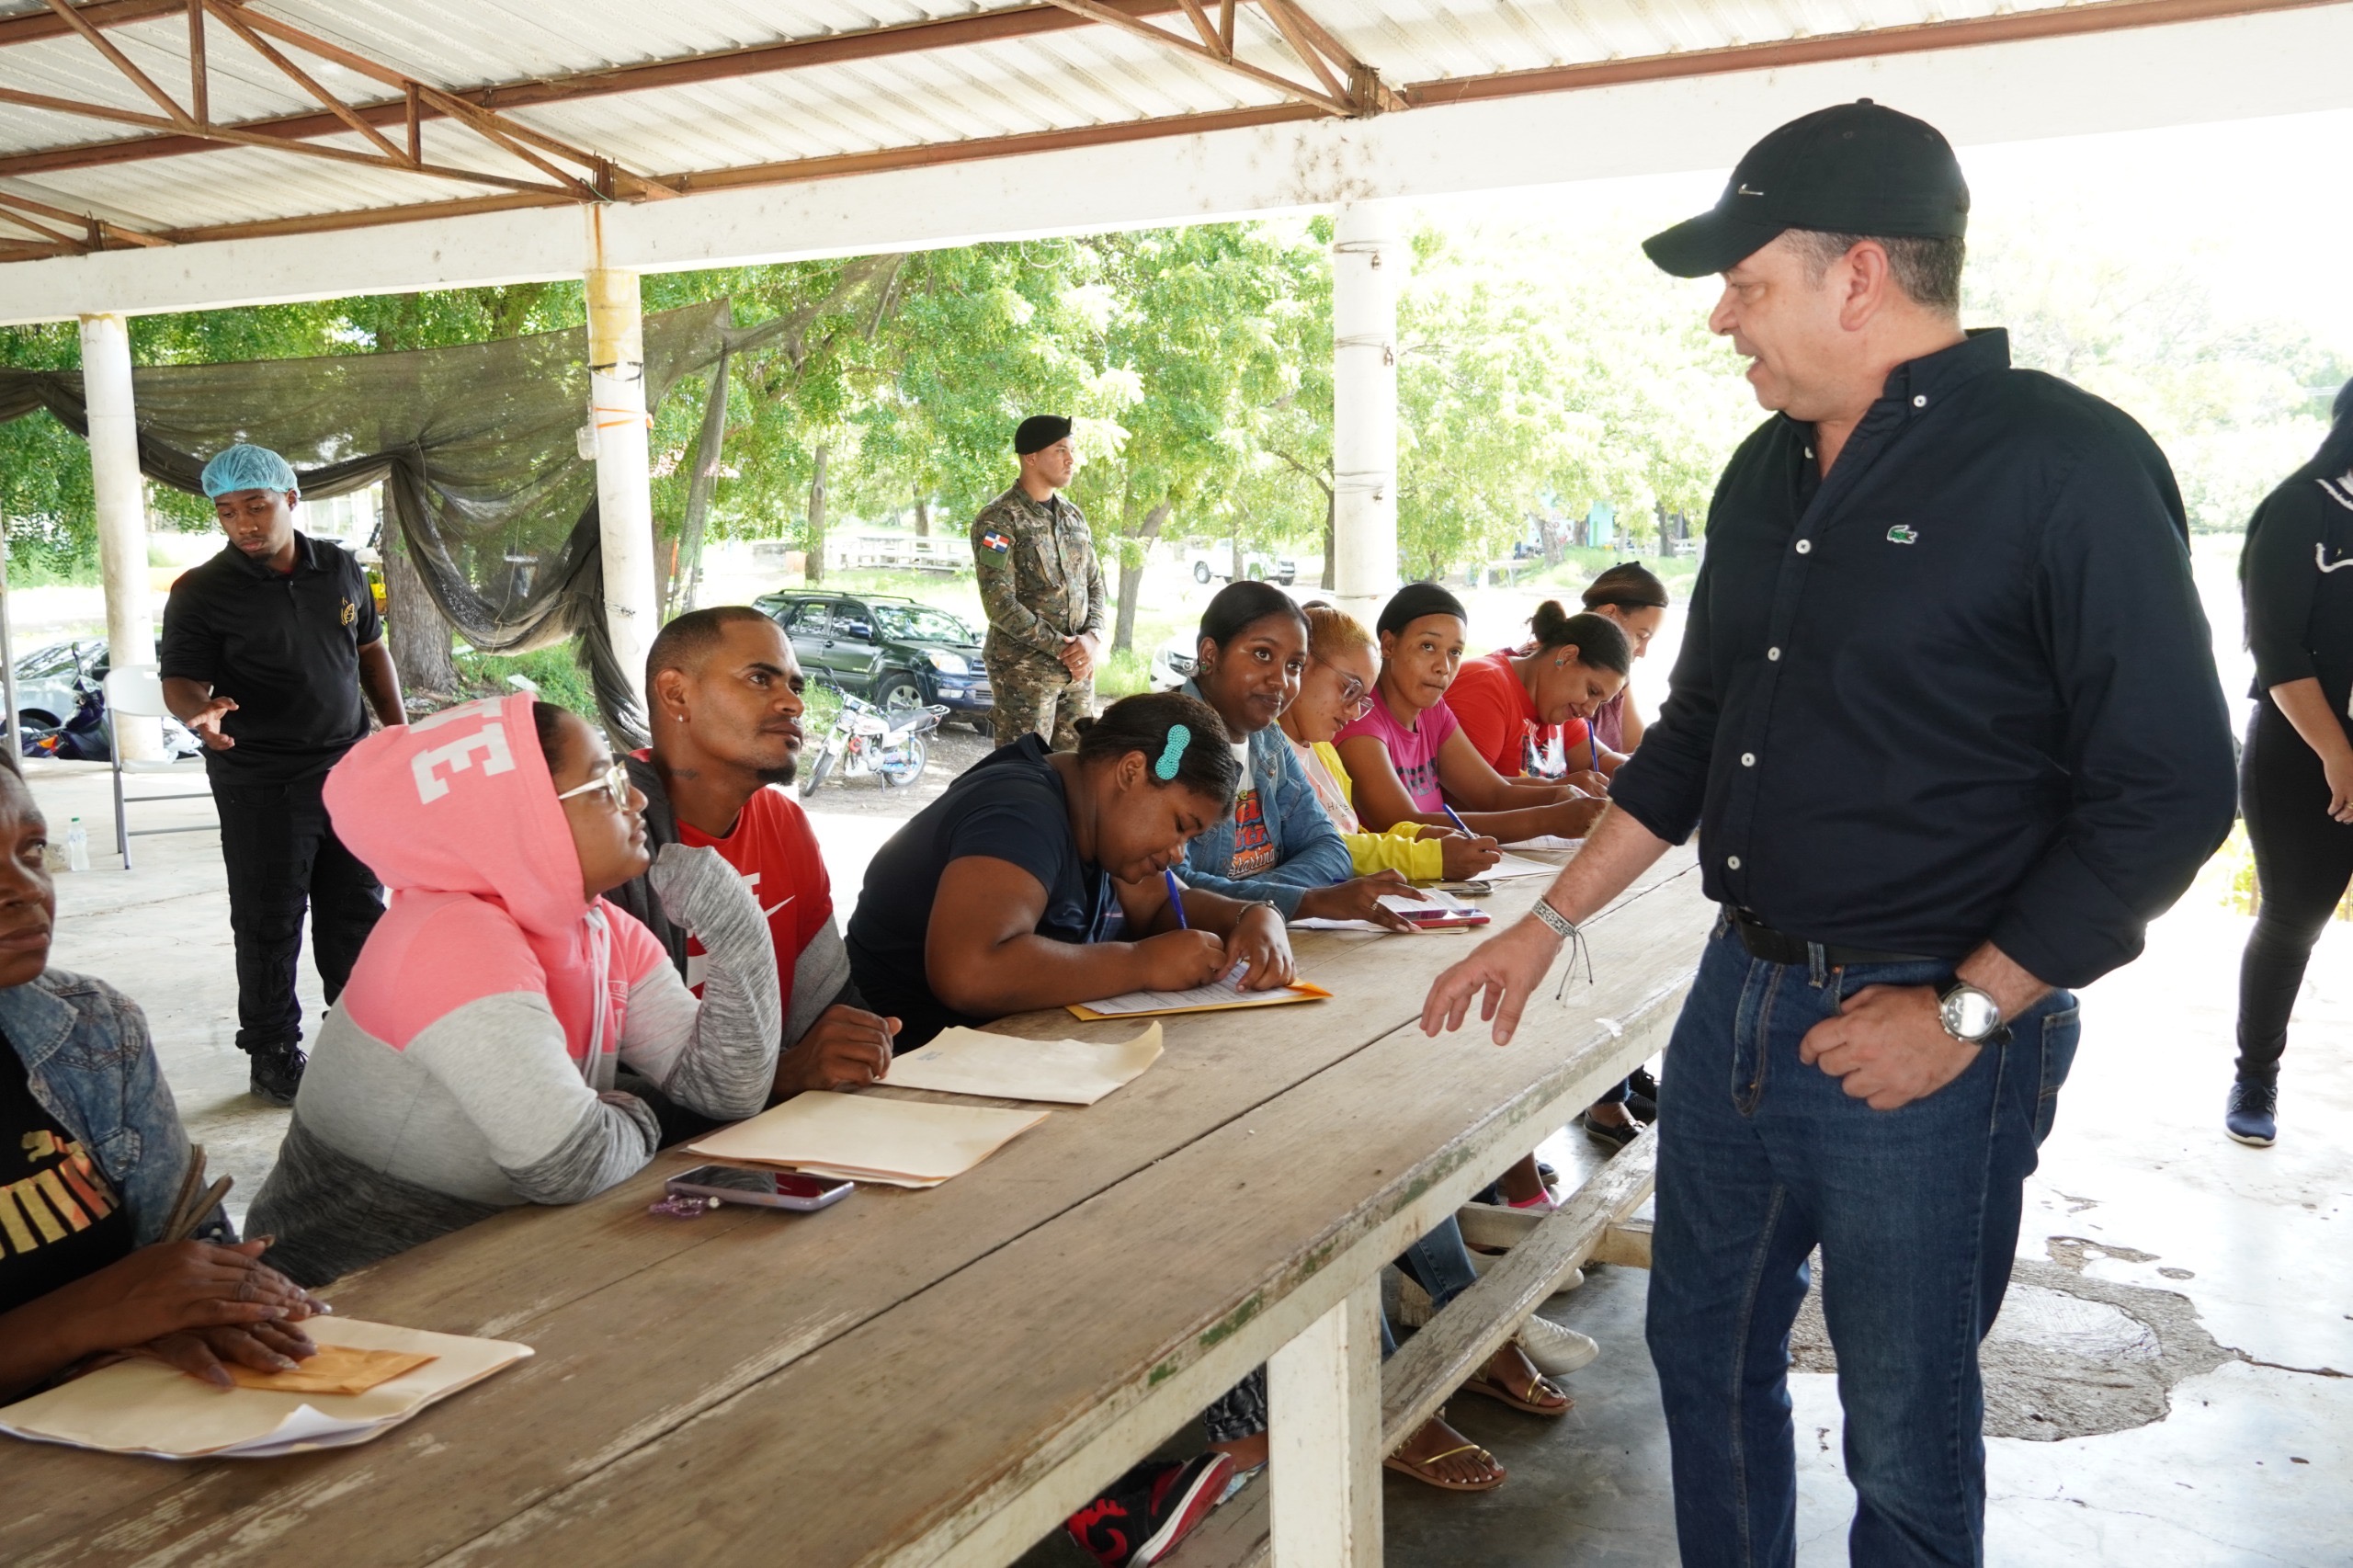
(2296, 776)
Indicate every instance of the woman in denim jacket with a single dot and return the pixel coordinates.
(1278, 846)
(92, 1159)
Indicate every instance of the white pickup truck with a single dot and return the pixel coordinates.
(1214, 564)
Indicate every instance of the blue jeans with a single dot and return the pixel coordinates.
(1762, 1157)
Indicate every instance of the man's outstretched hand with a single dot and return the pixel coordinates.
(1503, 973)
(205, 722)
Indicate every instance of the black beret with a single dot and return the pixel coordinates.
(1039, 431)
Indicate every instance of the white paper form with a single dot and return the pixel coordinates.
(1200, 999)
(1065, 1072)
(140, 1406)
(869, 1137)
(1545, 841)
(1433, 901)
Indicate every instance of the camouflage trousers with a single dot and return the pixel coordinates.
(1035, 695)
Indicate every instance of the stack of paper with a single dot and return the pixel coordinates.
(1546, 841)
(1068, 1072)
(140, 1406)
(1214, 998)
(854, 1137)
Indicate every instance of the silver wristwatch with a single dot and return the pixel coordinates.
(1968, 1013)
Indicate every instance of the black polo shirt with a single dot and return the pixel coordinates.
(1961, 689)
(287, 647)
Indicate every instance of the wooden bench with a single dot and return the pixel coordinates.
(919, 1377)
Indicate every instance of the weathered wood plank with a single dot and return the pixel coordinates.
(621, 1306)
(1324, 1431)
(1455, 1344)
(969, 1418)
(1627, 1245)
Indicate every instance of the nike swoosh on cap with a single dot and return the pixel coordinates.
(1744, 190)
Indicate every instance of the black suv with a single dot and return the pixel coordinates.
(892, 651)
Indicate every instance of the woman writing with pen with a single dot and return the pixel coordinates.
(1036, 881)
(1408, 757)
(1280, 845)
(1552, 686)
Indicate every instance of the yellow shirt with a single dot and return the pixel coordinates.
(1420, 860)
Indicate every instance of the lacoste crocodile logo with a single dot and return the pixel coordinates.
(1902, 533)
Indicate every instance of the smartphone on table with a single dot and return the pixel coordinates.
(762, 1188)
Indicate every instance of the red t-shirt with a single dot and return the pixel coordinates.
(777, 854)
(1500, 718)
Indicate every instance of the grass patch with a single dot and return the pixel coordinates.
(554, 671)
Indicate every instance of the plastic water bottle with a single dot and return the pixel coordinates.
(77, 847)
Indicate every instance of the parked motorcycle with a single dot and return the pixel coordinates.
(894, 743)
(88, 737)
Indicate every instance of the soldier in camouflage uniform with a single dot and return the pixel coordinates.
(1044, 591)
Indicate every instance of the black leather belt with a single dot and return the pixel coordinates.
(1779, 947)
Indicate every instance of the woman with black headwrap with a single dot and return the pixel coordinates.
(2296, 773)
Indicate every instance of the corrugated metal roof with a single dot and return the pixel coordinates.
(1066, 80)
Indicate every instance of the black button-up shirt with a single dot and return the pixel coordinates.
(287, 647)
(1961, 690)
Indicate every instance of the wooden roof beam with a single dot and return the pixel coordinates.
(789, 55)
(32, 27)
(1093, 10)
(122, 62)
(493, 127)
(100, 228)
(235, 137)
(234, 20)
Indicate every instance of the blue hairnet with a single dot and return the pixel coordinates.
(241, 466)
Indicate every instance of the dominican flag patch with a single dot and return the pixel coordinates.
(996, 541)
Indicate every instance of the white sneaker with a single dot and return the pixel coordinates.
(1555, 1351)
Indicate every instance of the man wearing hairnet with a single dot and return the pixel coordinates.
(268, 651)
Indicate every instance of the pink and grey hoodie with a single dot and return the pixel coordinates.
(469, 1065)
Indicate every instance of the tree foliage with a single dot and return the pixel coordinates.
(1542, 367)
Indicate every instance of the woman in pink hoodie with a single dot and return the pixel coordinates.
(468, 1067)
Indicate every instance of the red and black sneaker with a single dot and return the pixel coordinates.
(1143, 1515)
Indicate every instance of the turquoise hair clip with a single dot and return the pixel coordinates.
(1179, 737)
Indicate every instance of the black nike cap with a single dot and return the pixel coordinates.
(1857, 168)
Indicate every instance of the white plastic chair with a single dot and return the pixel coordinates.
(136, 691)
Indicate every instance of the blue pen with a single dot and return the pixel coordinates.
(1177, 898)
(1460, 825)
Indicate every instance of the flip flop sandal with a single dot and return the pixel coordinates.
(1430, 1478)
(1488, 1388)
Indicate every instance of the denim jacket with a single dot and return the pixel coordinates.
(1309, 851)
(87, 1056)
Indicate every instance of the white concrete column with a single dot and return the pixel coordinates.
(624, 492)
(121, 496)
(1369, 261)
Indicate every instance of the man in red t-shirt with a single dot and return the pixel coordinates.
(724, 691)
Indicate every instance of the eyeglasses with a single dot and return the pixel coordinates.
(613, 781)
(1354, 695)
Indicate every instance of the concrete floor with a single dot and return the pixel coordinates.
(2187, 1301)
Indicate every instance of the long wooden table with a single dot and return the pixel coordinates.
(938, 1375)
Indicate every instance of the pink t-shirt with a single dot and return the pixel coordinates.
(1413, 752)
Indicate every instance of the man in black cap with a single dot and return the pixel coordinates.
(1947, 719)
(1043, 592)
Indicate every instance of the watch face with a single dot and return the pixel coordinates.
(1970, 1014)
